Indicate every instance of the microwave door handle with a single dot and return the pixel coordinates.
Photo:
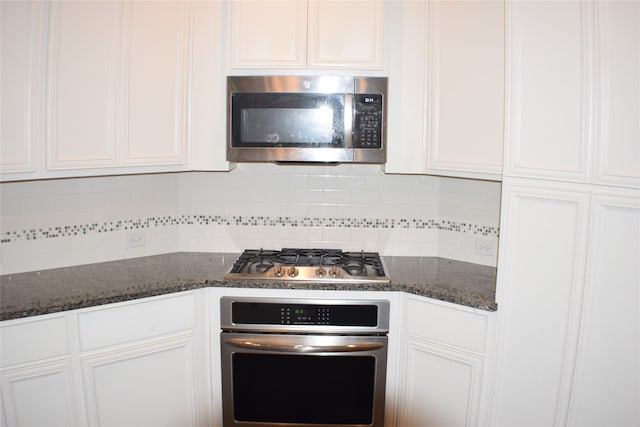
(348, 120)
(268, 344)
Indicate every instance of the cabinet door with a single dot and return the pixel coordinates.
(442, 366)
(21, 93)
(39, 395)
(406, 118)
(145, 362)
(208, 125)
(268, 34)
(118, 82)
(147, 385)
(618, 107)
(441, 386)
(82, 84)
(446, 88)
(37, 385)
(466, 76)
(606, 387)
(540, 276)
(156, 59)
(346, 34)
(550, 88)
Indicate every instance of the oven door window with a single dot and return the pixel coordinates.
(287, 120)
(304, 389)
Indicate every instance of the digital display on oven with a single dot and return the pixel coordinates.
(304, 314)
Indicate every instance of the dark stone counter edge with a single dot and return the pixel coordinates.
(55, 306)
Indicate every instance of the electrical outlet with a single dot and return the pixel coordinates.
(135, 239)
(486, 247)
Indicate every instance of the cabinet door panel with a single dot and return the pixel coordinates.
(446, 325)
(440, 387)
(268, 34)
(606, 389)
(157, 67)
(618, 112)
(40, 395)
(22, 92)
(150, 385)
(346, 34)
(136, 320)
(406, 118)
(466, 62)
(550, 89)
(84, 37)
(47, 339)
(541, 271)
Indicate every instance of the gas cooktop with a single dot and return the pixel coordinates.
(309, 265)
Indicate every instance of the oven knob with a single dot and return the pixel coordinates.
(292, 272)
(279, 271)
(321, 272)
(334, 272)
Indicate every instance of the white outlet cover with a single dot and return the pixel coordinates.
(485, 247)
(135, 239)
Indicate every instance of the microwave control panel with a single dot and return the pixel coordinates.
(367, 124)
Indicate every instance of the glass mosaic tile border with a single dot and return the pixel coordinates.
(247, 221)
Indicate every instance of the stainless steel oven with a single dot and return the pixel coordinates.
(292, 362)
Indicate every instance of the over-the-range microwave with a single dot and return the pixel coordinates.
(328, 119)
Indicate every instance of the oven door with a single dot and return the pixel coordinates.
(314, 380)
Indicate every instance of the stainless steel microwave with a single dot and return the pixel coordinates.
(327, 119)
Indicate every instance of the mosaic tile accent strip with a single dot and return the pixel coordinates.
(247, 221)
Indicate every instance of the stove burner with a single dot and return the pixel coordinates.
(263, 266)
(355, 269)
(302, 265)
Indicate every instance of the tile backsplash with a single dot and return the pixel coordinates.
(55, 223)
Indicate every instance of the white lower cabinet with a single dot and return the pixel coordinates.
(606, 385)
(40, 394)
(443, 364)
(137, 363)
(141, 361)
(37, 384)
(568, 333)
(151, 384)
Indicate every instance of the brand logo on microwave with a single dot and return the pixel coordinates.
(369, 100)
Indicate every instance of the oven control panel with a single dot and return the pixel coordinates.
(256, 313)
(275, 313)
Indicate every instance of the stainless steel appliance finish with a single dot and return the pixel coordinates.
(309, 265)
(293, 362)
(294, 119)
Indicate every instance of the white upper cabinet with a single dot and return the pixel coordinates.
(156, 58)
(465, 65)
(346, 34)
(268, 34)
(574, 81)
(617, 136)
(318, 34)
(22, 93)
(446, 88)
(95, 88)
(117, 86)
(82, 78)
(208, 103)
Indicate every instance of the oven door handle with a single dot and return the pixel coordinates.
(270, 344)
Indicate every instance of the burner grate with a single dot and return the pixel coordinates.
(289, 264)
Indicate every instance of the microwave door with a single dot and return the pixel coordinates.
(291, 127)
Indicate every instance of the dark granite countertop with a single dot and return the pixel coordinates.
(50, 291)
